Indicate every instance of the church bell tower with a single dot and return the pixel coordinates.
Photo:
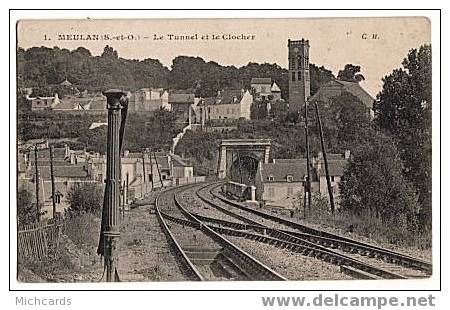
(299, 80)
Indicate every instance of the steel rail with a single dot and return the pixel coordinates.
(284, 240)
(321, 237)
(253, 267)
(192, 270)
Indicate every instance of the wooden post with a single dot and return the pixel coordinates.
(52, 175)
(327, 174)
(151, 169)
(143, 173)
(159, 172)
(38, 208)
(308, 168)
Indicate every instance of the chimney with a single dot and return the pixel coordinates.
(347, 154)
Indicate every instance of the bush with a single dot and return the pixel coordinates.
(85, 197)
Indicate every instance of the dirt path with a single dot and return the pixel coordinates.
(144, 253)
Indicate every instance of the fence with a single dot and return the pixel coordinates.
(38, 241)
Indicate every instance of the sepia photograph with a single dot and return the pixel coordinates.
(231, 149)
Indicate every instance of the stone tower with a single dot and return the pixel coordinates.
(299, 82)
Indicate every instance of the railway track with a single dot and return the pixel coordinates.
(396, 264)
(205, 254)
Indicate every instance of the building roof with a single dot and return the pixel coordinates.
(275, 88)
(58, 154)
(258, 80)
(73, 171)
(227, 96)
(65, 83)
(281, 169)
(353, 88)
(177, 161)
(96, 125)
(181, 98)
(335, 167)
(82, 103)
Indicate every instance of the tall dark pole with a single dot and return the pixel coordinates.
(143, 174)
(38, 207)
(143, 165)
(151, 169)
(52, 176)
(127, 187)
(159, 172)
(308, 168)
(327, 174)
(110, 218)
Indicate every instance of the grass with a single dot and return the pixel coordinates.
(79, 239)
(393, 232)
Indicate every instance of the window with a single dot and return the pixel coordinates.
(271, 191)
(289, 178)
(290, 191)
(299, 76)
(271, 178)
(150, 177)
(332, 178)
(293, 76)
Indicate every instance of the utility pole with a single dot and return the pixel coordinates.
(143, 173)
(159, 172)
(151, 169)
(126, 197)
(38, 208)
(52, 176)
(110, 217)
(308, 168)
(327, 174)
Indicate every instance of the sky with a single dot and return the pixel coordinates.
(378, 45)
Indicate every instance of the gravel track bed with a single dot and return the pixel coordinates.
(293, 266)
(195, 205)
(144, 252)
(246, 214)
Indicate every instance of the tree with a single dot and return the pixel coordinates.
(26, 210)
(345, 120)
(403, 109)
(373, 184)
(351, 73)
(85, 197)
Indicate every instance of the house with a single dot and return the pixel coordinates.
(183, 105)
(181, 168)
(336, 88)
(44, 103)
(281, 182)
(228, 104)
(93, 103)
(265, 89)
(66, 175)
(148, 99)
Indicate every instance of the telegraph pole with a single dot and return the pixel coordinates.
(159, 172)
(111, 233)
(143, 173)
(308, 172)
(38, 208)
(52, 176)
(327, 174)
(151, 168)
